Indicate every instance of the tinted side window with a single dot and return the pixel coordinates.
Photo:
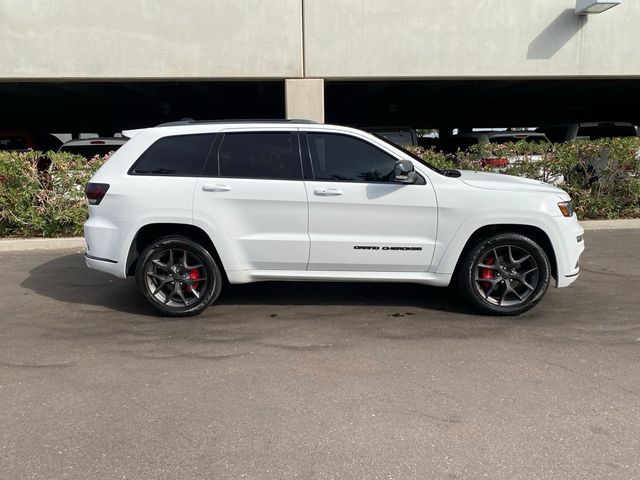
(271, 155)
(178, 155)
(348, 159)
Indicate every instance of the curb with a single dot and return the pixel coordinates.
(26, 244)
(610, 224)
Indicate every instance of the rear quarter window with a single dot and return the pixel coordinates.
(179, 155)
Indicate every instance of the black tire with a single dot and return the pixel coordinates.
(178, 287)
(510, 284)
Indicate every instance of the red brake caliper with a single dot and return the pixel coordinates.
(193, 274)
(487, 272)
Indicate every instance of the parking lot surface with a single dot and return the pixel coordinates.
(319, 381)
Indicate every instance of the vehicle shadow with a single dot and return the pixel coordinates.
(67, 279)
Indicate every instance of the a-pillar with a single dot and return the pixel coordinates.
(304, 99)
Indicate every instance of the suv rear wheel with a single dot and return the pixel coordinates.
(506, 274)
(178, 277)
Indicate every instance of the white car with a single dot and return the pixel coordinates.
(90, 147)
(187, 206)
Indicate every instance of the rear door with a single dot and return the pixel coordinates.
(253, 192)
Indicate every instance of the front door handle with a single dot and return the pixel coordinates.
(328, 192)
(216, 188)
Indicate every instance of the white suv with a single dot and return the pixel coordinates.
(187, 206)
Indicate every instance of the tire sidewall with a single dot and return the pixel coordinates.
(214, 277)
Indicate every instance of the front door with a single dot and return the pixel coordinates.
(359, 218)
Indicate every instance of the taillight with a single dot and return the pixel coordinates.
(95, 192)
(497, 162)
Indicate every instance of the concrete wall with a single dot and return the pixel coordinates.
(252, 39)
(150, 38)
(468, 38)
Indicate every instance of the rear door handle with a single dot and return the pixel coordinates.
(327, 192)
(216, 188)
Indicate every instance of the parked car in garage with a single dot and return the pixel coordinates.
(591, 131)
(401, 136)
(186, 207)
(588, 131)
(91, 147)
(463, 141)
(26, 140)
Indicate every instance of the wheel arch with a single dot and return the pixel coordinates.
(536, 233)
(153, 231)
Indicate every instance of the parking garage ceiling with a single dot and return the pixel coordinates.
(113, 106)
(482, 103)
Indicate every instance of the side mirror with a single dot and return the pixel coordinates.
(404, 172)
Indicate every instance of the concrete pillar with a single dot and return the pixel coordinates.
(304, 98)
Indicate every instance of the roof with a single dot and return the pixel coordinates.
(187, 127)
(191, 121)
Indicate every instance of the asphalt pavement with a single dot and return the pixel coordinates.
(318, 381)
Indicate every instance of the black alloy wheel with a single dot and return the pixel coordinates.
(178, 277)
(506, 274)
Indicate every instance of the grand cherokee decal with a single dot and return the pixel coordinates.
(366, 247)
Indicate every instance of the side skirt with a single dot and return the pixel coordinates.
(425, 278)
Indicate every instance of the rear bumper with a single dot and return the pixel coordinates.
(103, 265)
(106, 239)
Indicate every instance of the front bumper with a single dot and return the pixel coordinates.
(568, 249)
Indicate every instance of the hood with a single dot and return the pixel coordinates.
(500, 181)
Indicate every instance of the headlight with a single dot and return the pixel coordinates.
(566, 208)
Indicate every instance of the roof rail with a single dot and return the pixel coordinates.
(191, 121)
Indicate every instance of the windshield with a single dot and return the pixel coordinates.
(412, 155)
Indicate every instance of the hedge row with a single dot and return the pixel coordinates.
(602, 177)
(42, 195)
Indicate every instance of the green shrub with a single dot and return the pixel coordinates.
(43, 202)
(602, 176)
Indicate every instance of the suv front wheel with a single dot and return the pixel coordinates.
(506, 274)
(178, 277)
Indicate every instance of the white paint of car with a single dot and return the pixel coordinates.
(289, 230)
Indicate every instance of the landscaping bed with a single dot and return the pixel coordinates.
(42, 194)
